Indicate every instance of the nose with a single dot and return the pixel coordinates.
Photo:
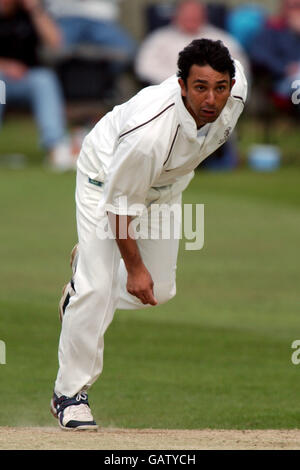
(210, 98)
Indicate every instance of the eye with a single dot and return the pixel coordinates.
(221, 88)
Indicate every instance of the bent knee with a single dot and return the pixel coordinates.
(164, 291)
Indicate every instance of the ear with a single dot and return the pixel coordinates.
(182, 86)
(232, 83)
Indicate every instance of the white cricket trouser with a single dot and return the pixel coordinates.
(100, 285)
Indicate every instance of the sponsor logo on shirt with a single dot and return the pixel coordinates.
(226, 135)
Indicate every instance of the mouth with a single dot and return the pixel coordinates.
(209, 112)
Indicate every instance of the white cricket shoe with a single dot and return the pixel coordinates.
(73, 414)
(61, 157)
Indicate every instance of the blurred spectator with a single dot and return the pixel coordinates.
(94, 22)
(157, 56)
(24, 27)
(277, 48)
(157, 60)
(244, 22)
(277, 20)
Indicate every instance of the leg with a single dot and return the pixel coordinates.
(88, 316)
(92, 307)
(100, 285)
(78, 31)
(40, 89)
(15, 92)
(111, 35)
(72, 29)
(46, 98)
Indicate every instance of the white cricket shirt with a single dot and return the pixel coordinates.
(152, 141)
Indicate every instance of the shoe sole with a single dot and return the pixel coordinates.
(65, 293)
(67, 287)
(73, 255)
(64, 428)
(53, 409)
(78, 428)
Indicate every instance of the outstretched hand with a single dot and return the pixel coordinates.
(140, 284)
(139, 280)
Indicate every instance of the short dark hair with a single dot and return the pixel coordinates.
(205, 52)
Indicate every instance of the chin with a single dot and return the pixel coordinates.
(208, 120)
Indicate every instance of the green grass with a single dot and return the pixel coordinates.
(218, 355)
(19, 135)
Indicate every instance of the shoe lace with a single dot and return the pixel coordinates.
(80, 400)
(81, 396)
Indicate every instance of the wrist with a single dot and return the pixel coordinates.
(135, 269)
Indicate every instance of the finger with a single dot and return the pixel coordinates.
(139, 295)
(146, 298)
(151, 299)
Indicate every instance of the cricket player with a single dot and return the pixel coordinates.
(142, 153)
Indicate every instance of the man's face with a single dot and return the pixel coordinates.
(292, 14)
(206, 93)
(190, 16)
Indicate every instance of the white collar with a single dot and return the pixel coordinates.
(186, 120)
(188, 123)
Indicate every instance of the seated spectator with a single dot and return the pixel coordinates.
(156, 58)
(24, 26)
(277, 20)
(277, 48)
(244, 22)
(94, 22)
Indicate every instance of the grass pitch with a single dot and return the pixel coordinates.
(217, 356)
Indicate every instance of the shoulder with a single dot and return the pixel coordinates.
(212, 32)
(151, 104)
(240, 88)
(165, 32)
